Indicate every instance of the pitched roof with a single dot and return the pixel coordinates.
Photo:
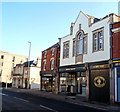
(55, 45)
(29, 63)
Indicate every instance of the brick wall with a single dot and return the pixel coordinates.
(116, 41)
(48, 59)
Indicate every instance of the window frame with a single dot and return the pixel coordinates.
(45, 54)
(97, 32)
(44, 65)
(52, 64)
(66, 49)
(84, 37)
(52, 52)
(2, 56)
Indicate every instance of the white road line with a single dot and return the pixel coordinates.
(21, 99)
(48, 108)
(3, 94)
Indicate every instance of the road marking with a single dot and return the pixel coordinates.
(21, 99)
(100, 108)
(48, 108)
(3, 94)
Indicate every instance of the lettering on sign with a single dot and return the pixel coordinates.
(99, 81)
(70, 68)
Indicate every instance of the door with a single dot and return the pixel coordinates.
(99, 85)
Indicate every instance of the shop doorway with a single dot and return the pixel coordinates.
(99, 85)
(81, 83)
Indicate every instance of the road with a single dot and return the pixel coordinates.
(17, 101)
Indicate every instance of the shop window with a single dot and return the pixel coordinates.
(98, 40)
(66, 49)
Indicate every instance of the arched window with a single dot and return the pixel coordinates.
(52, 64)
(80, 44)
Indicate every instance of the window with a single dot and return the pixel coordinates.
(66, 49)
(1, 63)
(52, 64)
(13, 58)
(44, 65)
(85, 45)
(81, 44)
(74, 47)
(12, 65)
(45, 54)
(2, 56)
(0, 72)
(52, 51)
(98, 40)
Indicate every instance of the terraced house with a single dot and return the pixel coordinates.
(49, 68)
(85, 58)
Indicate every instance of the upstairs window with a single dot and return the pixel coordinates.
(52, 64)
(45, 54)
(1, 63)
(74, 47)
(66, 49)
(81, 44)
(2, 56)
(52, 52)
(98, 41)
(44, 65)
(13, 58)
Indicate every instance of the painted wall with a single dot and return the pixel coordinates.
(88, 27)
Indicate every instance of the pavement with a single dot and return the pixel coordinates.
(79, 100)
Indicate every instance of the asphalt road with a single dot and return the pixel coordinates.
(16, 101)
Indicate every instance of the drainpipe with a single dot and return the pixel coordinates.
(111, 69)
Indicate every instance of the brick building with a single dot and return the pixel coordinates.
(116, 40)
(115, 31)
(49, 68)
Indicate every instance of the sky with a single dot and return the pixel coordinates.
(42, 23)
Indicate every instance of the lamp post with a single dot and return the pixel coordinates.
(29, 63)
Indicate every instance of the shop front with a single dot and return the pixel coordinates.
(48, 82)
(72, 80)
(99, 78)
(116, 72)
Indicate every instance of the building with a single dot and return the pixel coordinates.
(27, 75)
(7, 62)
(115, 32)
(85, 56)
(49, 68)
(17, 76)
(31, 74)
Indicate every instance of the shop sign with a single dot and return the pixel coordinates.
(47, 75)
(116, 64)
(72, 69)
(99, 66)
(99, 81)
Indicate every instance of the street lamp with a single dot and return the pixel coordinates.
(29, 62)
